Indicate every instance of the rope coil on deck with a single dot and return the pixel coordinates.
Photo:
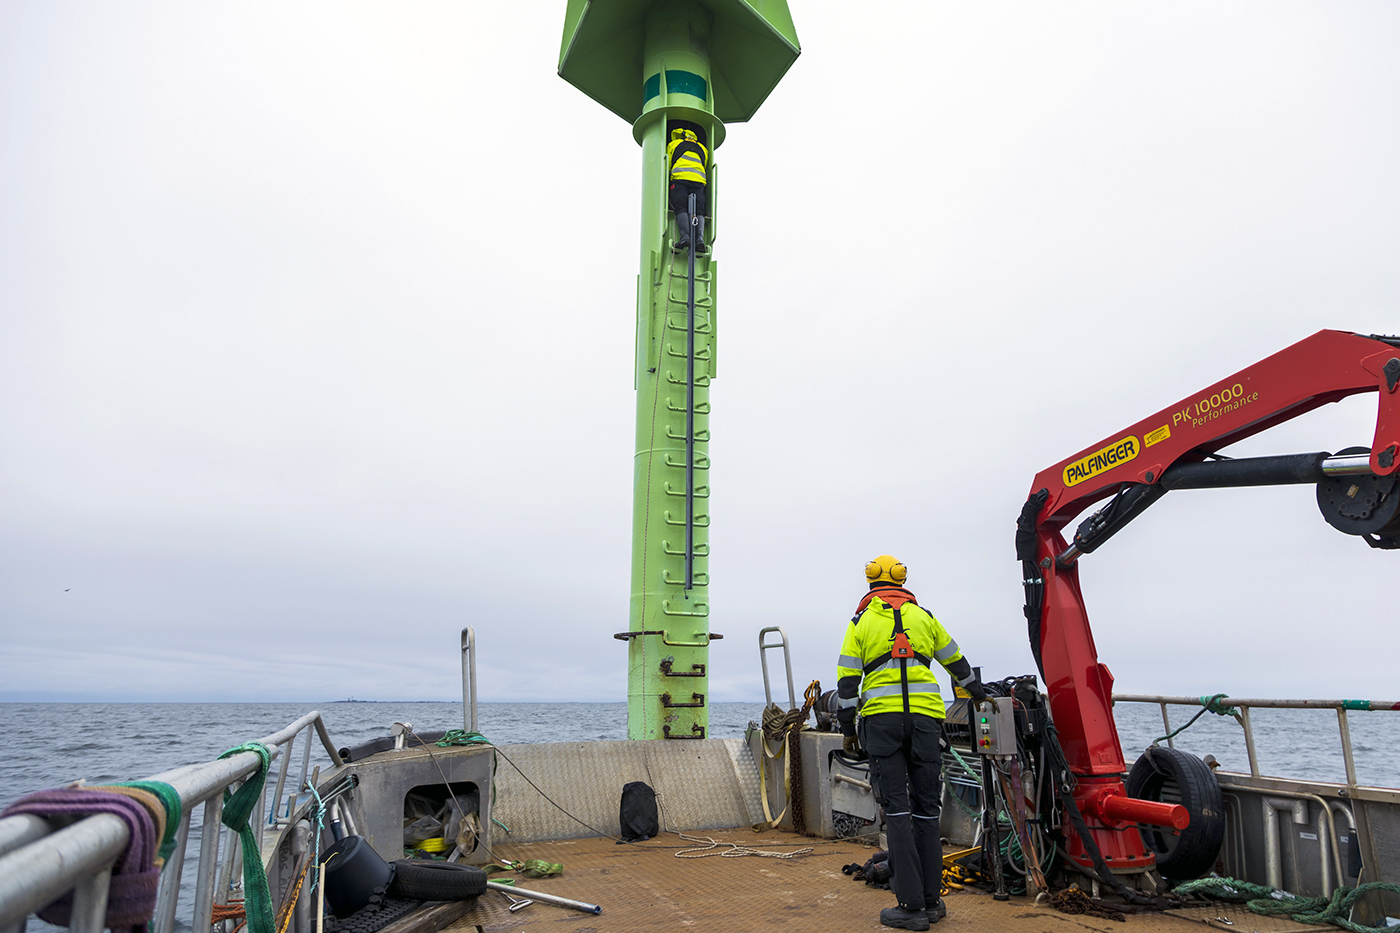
(1262, 899)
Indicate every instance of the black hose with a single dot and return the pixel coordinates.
(1064, 789)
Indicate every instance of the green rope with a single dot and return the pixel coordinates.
(975, 814)
(1210, 704)
(169, 798)
(1262, 899)
(462, 737)
(238, 810)
(530, 868)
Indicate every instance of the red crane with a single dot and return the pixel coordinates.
(1176, 448)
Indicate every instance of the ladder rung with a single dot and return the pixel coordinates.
(701, 492)
(702, 462)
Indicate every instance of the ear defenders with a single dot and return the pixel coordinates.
(885, 567)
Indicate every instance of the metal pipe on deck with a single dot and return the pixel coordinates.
(547, 898)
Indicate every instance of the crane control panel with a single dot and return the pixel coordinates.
(994, 726)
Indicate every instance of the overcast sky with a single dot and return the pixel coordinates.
(316, 334)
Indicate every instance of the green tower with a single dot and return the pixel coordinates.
(662, 65)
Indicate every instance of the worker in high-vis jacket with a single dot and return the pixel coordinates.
(688, 163)
(884, 673)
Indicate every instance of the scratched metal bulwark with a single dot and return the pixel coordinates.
(700, 783)
(645, 887)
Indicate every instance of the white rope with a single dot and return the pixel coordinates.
(711, 846)
(734, 851)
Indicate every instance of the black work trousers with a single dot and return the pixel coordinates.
(905, 749)
(680, 193)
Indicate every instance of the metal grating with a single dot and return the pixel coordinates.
(645, 887)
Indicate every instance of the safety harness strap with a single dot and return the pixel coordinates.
(902, 651)
(901, 644)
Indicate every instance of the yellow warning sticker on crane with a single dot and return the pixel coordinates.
(1153, 437)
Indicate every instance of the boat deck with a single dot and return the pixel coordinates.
(646, 887)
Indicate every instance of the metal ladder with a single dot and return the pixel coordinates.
(688, 305)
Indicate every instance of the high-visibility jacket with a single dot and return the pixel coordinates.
(871, 636)
(688, 160)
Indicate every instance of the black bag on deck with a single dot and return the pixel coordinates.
(637, 815)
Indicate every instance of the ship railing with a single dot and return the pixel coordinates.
(40, 860)
(1244, 706)
(1277, 799)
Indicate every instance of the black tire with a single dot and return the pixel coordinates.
(1171, 776)
(418, 879)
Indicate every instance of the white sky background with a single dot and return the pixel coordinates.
(316, 333)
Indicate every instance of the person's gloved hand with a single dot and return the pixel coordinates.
(975, 690)
(850, 745)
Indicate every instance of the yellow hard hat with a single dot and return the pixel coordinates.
(885, 569)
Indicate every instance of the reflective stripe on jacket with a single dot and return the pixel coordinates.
(689, 163)
(871, 634)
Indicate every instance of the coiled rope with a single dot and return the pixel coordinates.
(1262, 899)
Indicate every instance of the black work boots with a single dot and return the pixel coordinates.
(683, 233)
(903, 918)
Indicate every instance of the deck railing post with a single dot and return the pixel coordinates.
(1167, 726)
(469, 679)
(231, 862)
(90, 903)
(208, 862)
(305, 769)
(285, 750)
(1347, 757)
(1249, 742)
(170, 877)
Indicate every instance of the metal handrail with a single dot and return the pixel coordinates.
(787, 660)
(39, 862)
(1245, 705)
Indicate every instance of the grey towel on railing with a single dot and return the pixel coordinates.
(132, 896)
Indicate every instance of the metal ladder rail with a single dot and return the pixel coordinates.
(690, 404)
(691, 303)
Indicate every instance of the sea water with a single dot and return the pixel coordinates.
(51, 744)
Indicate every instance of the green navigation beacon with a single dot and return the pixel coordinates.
(663, 66)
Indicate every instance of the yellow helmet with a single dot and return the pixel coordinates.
(885, 569)
(689, 135)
